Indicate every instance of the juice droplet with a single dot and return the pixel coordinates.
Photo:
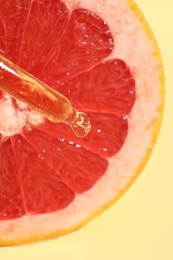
(79, 123)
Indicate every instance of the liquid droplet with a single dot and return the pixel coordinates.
(79, 123)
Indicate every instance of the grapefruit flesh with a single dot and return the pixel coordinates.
(103, 57)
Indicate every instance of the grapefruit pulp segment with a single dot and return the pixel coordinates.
(11, 203)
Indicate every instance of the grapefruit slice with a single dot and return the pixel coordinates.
(103, 56)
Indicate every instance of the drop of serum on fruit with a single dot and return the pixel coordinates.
(79, 123)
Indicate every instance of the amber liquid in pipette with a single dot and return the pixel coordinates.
(37, 95)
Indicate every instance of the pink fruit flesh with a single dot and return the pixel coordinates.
(42, 168)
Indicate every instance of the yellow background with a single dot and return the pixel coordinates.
(140, 225)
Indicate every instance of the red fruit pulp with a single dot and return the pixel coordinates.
(42, 169)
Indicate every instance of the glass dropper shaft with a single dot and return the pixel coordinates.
(37, 95)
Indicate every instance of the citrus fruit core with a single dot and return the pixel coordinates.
(102, 56)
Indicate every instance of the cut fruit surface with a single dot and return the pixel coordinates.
(103, 57)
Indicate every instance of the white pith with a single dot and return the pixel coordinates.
(13, 120)
(133, 46)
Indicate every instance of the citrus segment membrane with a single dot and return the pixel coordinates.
(107, 88)
(103, 126)
(58, 153)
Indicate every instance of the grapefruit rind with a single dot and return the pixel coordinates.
(144, 124)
